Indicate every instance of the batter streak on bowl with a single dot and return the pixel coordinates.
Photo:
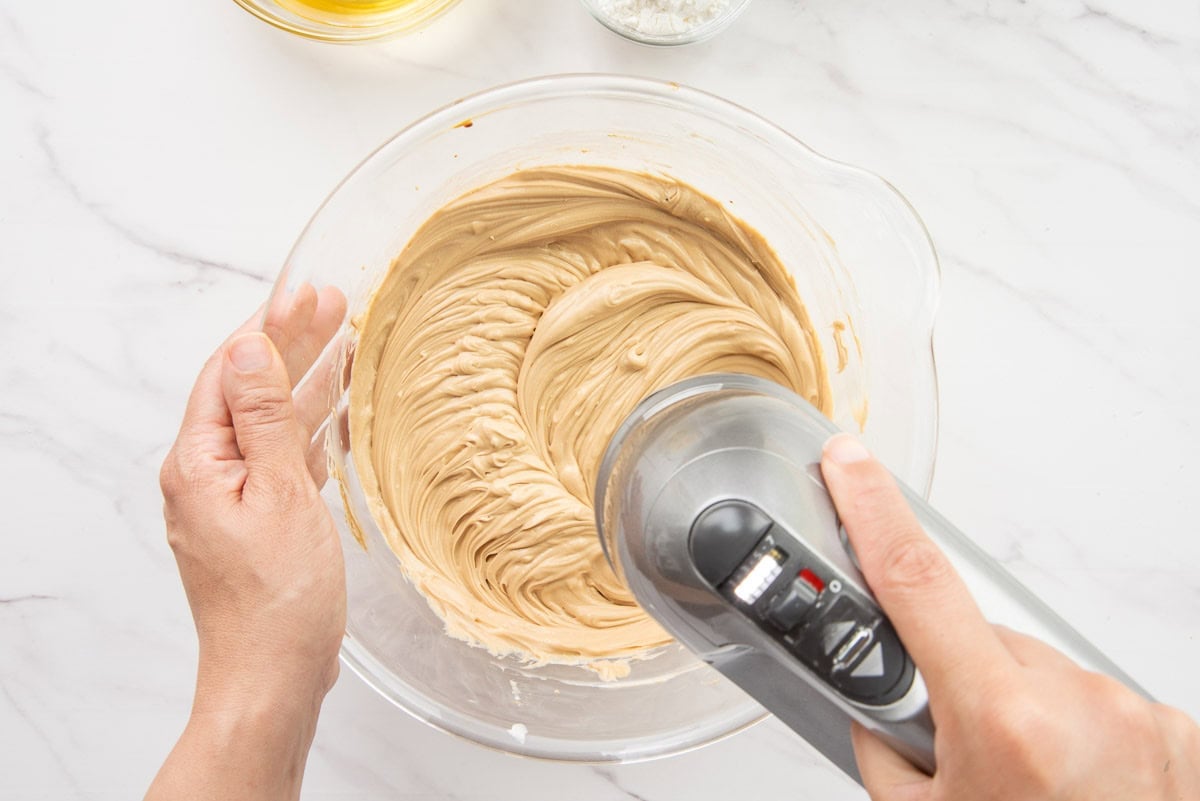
(507, 342)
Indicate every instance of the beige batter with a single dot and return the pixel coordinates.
(508, 341)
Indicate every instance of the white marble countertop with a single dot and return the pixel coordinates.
(158, 159)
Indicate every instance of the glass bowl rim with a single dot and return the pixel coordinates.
(325, 32)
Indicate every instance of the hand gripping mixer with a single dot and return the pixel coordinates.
(711, 508)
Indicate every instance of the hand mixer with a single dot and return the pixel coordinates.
(711, 508)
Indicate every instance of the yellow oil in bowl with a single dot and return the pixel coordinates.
(344, 11)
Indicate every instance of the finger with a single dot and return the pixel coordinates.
(255, 386)
(303, 349)
(317, 458)
(886, 775)
(314, 397)
(1030, 651)
(206, 407)
(919, 590)
(288, 315)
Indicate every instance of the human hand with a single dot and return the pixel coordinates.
(256, 547)
(1016, 719)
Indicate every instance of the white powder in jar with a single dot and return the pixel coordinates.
(662, 17)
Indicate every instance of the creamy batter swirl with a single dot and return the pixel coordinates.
(504, 347)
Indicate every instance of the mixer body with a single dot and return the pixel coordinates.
(711, 507)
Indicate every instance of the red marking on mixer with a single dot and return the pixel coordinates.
(812, 579)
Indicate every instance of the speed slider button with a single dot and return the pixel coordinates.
(857, 652)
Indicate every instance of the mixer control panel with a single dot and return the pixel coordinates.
(802, 601)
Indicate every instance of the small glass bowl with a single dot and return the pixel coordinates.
(699, 33)
(346, 29)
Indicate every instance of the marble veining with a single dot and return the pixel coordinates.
(158, 160)
(129, 234)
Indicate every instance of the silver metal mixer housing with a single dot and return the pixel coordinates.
(711, 508)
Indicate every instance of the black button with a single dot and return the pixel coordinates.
(854, 648)
(857, 651)
(792, 605)
(881, 674)
(723, 535)
(819, 642)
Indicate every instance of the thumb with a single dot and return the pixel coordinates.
(258, 393)
(918, 588)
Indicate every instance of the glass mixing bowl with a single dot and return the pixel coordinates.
(296, 16)
(862, 262)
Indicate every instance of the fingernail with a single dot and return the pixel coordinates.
(845, 449)
(250, 352)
